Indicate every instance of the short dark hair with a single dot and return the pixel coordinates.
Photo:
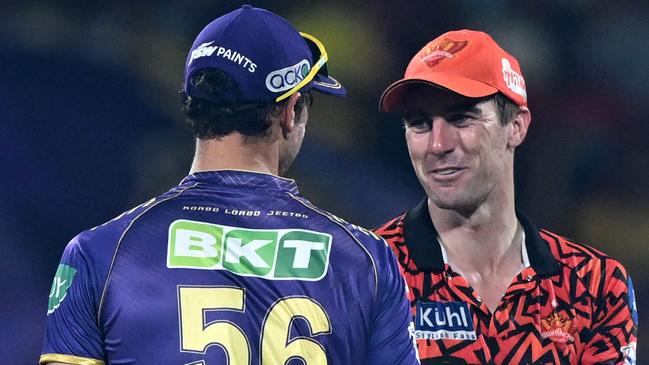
(209, 119)
(505, 108)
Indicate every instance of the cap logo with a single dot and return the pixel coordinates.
(513, 79)
(286, 78)
(446, 48)
(207, 50)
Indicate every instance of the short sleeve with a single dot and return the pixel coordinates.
(612, 338)
(72, 334)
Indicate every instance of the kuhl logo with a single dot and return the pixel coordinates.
(286, 78)
(276, 254)
(444, 320)
(60, 285)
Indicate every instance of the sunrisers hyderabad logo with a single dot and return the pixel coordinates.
(557, 328)
(444, 49)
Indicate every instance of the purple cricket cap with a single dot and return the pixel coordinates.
(267, 58)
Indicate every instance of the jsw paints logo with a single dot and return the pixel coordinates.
(444, 320)
(286, 78)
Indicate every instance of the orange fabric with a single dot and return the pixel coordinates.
(467, 62)
(557, 319)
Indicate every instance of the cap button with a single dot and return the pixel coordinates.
(246, 6)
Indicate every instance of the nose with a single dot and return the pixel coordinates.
(442, 137)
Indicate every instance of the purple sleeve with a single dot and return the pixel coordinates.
(71, 330)
(391, 341)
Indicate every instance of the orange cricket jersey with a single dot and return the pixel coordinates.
(571, 305)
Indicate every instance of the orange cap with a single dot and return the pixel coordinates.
(467, 62)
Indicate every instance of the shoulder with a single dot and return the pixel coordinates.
(361, 235)
(392, 228)
(591, 264)
(392, 232)
(99, 243)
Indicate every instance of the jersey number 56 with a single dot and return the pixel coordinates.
(276, 347)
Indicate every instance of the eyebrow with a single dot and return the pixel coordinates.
(462, 107)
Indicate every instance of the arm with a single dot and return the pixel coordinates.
(612, 338)
(390, 340)
(72, 335)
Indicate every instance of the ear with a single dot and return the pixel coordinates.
(519, 124)
(287, 121)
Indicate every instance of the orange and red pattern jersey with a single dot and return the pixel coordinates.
(571, 305)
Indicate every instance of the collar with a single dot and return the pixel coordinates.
(242, 179)
(420, 237)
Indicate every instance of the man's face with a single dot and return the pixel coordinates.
(458, 148)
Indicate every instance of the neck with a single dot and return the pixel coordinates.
(233, 152)
(482, 240)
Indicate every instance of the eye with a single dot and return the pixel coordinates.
(460, 119)
(418, 124)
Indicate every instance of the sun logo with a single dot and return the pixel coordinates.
(433, 53)
(555, 321)
(557, 328)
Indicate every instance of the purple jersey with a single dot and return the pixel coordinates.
(229, 267)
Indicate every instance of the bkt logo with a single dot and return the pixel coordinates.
(444, 320)
(277, 254)
(286, 78)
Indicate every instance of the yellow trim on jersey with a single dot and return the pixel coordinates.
(68, 359)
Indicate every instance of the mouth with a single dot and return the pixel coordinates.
(446, 172)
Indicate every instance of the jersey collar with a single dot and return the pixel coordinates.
(420, 236)
(243, 179)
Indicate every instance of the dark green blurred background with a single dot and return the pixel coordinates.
(89, 122)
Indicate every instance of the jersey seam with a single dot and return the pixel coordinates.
(374, 269)
(119, 242)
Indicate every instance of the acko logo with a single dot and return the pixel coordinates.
(276, 254)
(286, 78)
(60, 285)
(444, 320)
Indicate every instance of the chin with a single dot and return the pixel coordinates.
(456, 203)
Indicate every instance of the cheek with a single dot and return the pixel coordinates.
(417, 145)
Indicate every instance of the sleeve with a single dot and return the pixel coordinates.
(612, 338)
(391, 340)
(71, 330)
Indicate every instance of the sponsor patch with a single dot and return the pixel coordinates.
(513, 79)
(444, 320)
(286, 78)
(62, 281)
(209, 48)
(275, 254)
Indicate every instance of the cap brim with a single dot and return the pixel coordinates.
(393, 97)
(328, 85)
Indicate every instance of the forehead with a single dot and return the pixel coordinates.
(424, 99)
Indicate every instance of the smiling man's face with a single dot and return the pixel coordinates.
(458, 148)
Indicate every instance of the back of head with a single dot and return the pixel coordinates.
(244, 65)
